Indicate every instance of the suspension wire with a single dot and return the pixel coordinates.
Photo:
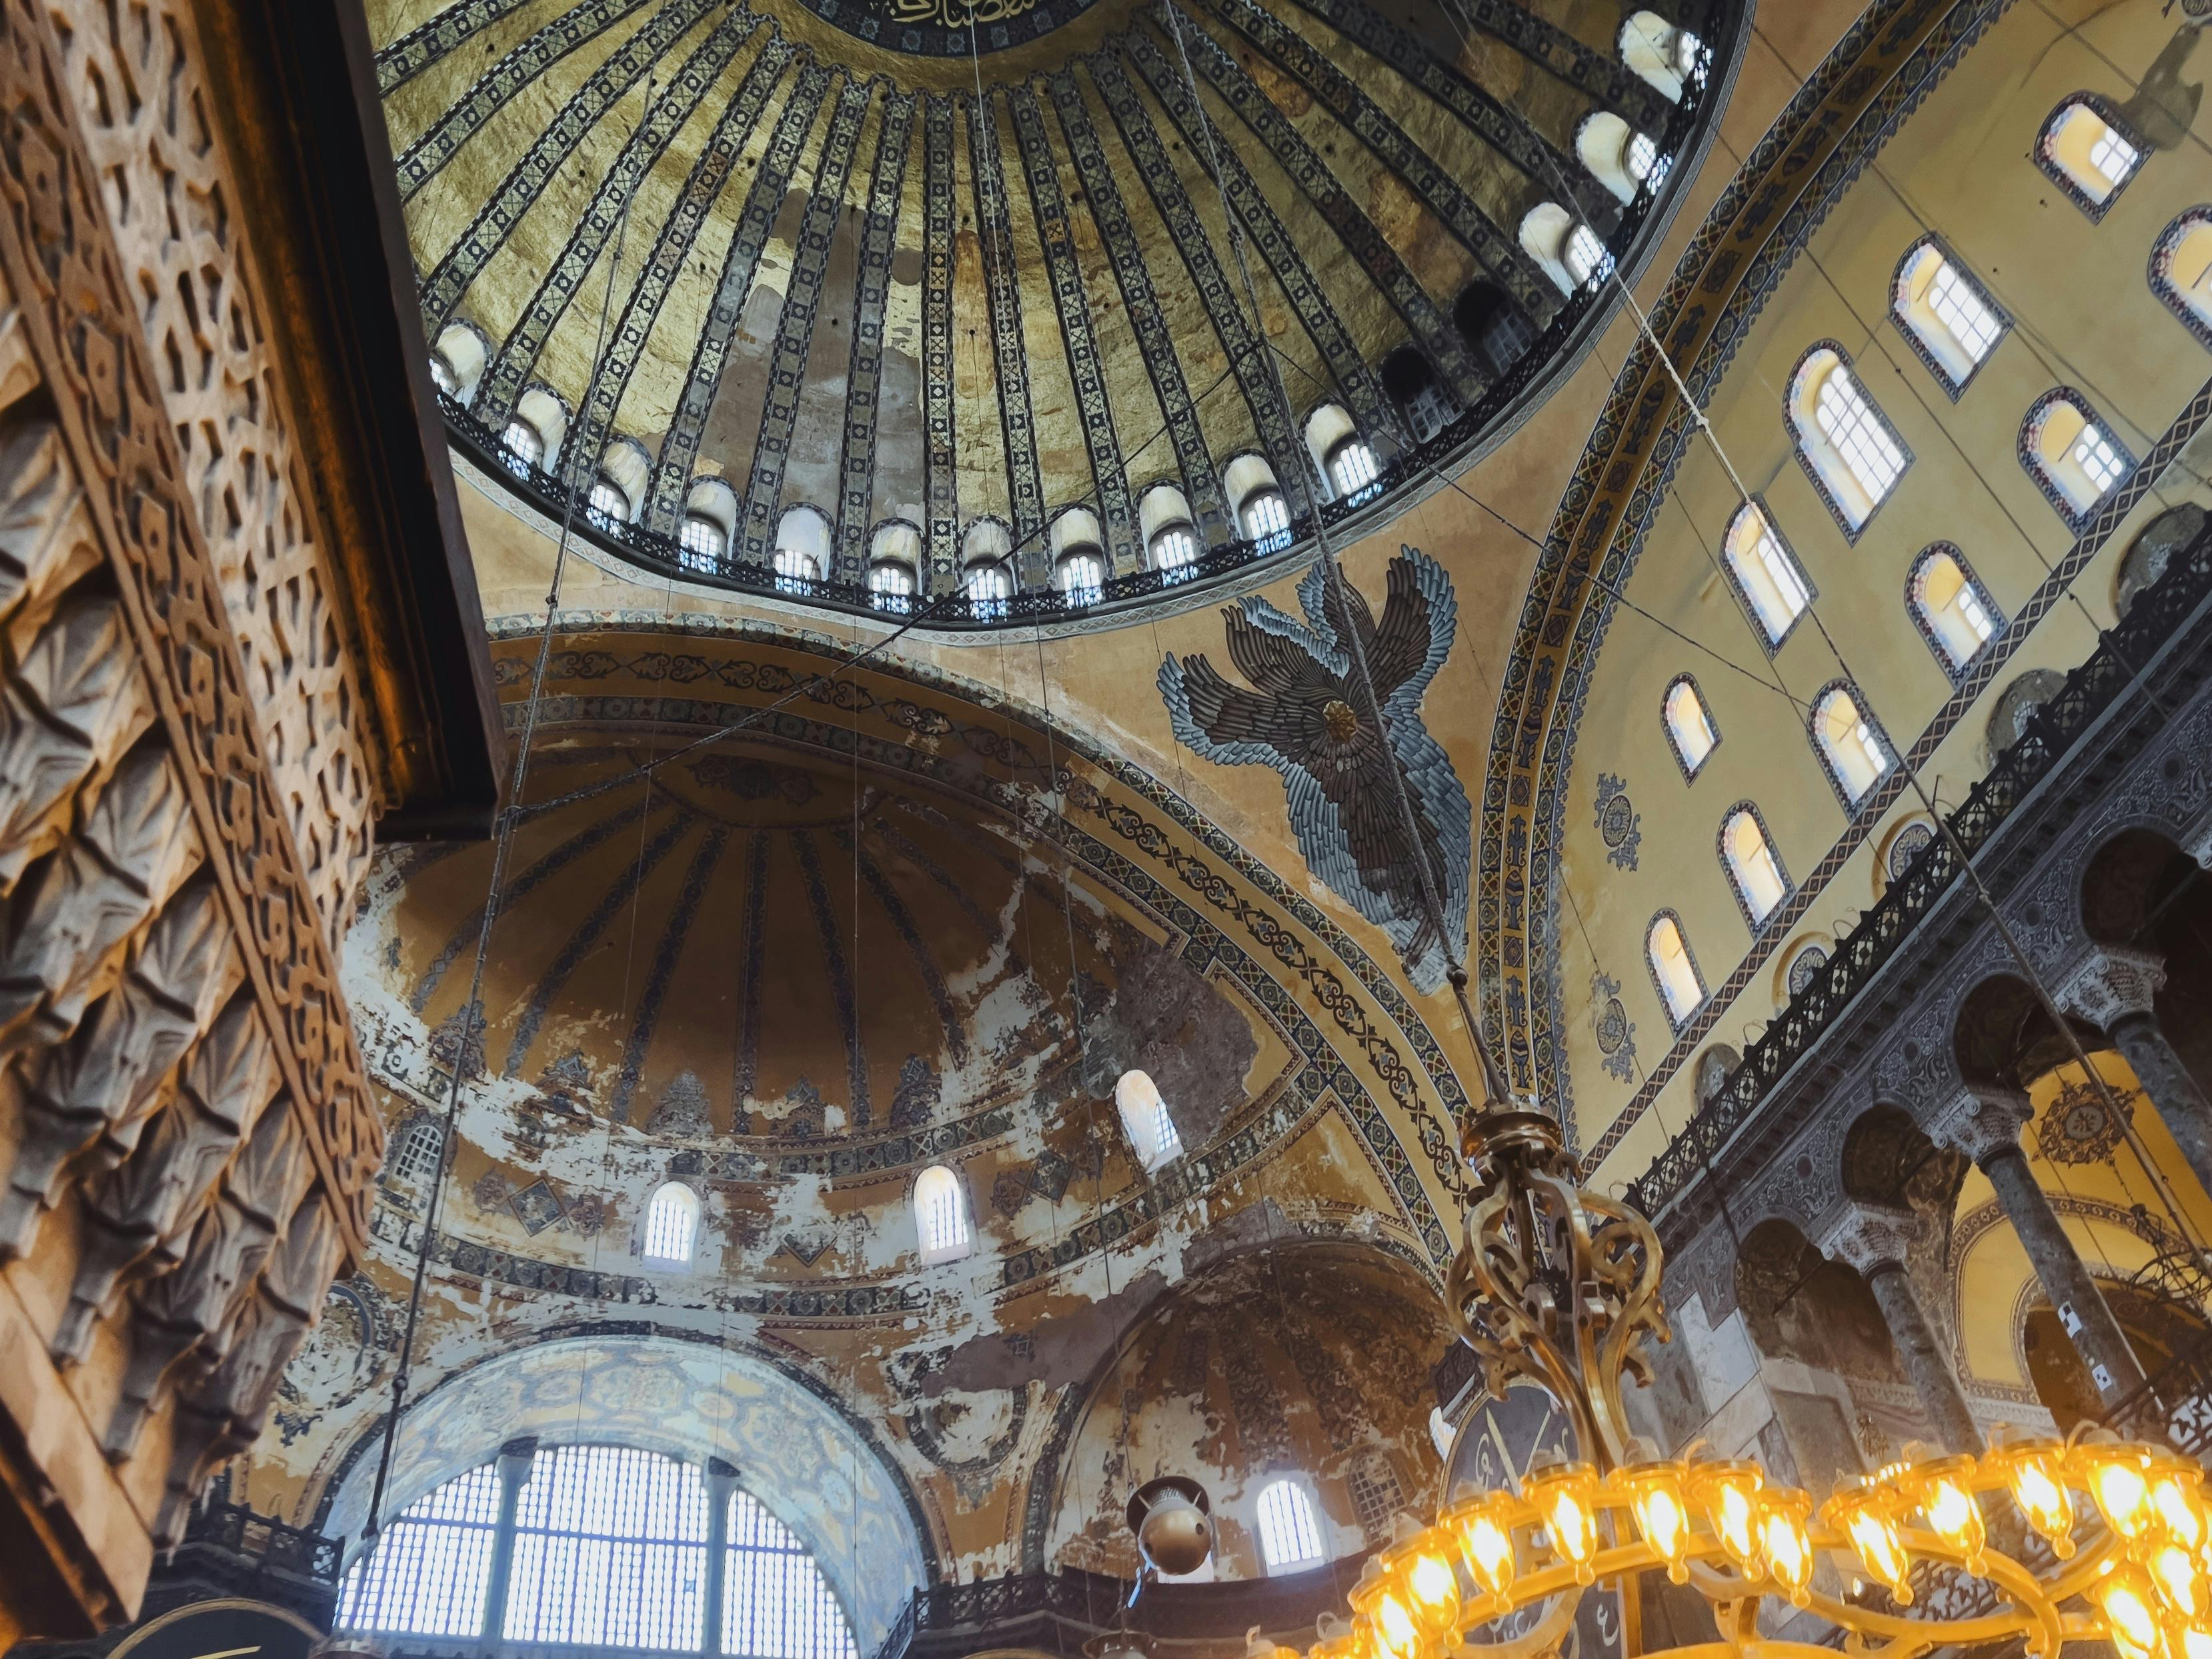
(1337, 604)
(502, 845)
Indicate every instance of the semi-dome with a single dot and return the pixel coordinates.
(842, 298)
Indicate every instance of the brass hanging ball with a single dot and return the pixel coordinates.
(1173, 1520)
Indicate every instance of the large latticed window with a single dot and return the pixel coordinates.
(1690, 727)
(1673, 970)
(940, 1216)
(610, 1549)
(1081, 576)
(1753, 869)
(608, 506)
(1146, 1120)
(1952, 609)
(1175, 547)
(1290, 1530)
(2181, 270)
(988, 588)
(414, 1151)
(525, 449)
(1265, 513)
(776, 1602)
(613, 1546)
(703, 541)
(1851, 746)
(671, 1224)
(1850, 449)
(430, 1572)
(1765, 572)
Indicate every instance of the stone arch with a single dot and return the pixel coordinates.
(2124, 881)
(1799, 1305)
(1887, 1159)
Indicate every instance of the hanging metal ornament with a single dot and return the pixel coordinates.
(1173, 1519)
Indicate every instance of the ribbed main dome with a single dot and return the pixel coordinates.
(938, 285)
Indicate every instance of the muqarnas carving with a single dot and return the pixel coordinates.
(1302, 719)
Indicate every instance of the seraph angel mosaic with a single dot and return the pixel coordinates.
(1301, 718)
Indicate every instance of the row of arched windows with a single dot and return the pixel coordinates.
(943, 1226)
(1855, 458)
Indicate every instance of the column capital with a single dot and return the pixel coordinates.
(2112, 982)
(1981, 1118)
(1870, 1237)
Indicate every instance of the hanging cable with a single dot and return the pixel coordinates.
(472, 1022)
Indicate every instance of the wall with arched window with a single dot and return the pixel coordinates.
(533, 436)
(2072, 453)
(1667, 56)
(710, 519)
(1496, 329)
(1288, 1524)
(1854, 455)
(1146, 1120)
(457, 362)
(2089, 151)
(1674, 969)
(1952, 609)
(1853, 749)
(2181, 270)
(1571, 253)
(670, 1232)
(895, 565)
(945, 1230)
(1766, 575)
(1946, 314)
(1689, 725)
(802, 546)
(607, 1547)
(1754, 868)
(1263, 513)
(1617, 155)
(1414, 388)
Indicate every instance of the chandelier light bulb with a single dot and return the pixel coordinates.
(1485, 1547)
(1566, 1499)
(2180, 1509)
(1663, 1519)
(2044, 1500)
(2133, 1621)
(2179, 1579)
(2115, 1482)
(1787, 1549)
(1730, 1494)
(1433, 1589)
(1951, 1512)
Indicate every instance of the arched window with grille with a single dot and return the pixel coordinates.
(1616, 154)
(1351, 467)
(893, 566)
(802, 549)
(1673, 970)
(940, 1216)
(1263, 516)
(672, 1224)
(1080, 575)
(1754, 868)
(413, 1154)
(1146, 1120)
(1691, 733)
(531, 439)
(1290, 1526)
(1174, 547)
(609, 1550)
(1952, 609)
(1411, 382)
(2181, 271)
(608, 506)
(457, 363)
(1495, 328)
(1947, 316)
(1572, 254)
(986, 573)
(2089, 152)
(1853, 749)
(1765, 574)
(710, 514)
(1847, 445)
(2072, 454)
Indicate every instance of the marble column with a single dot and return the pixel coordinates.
(1985, 1124)
(1875, 1241)
(721, 1485)
(2115, 990)
(514, 1461)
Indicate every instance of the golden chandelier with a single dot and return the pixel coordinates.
(1558, 1286)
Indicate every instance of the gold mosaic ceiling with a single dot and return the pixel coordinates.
(870, 260)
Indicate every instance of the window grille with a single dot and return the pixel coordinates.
(610, 1550)
(795, 570)
(608, 507)
(703, 541)
(1855, 750)
(1266, 513)
(1081, 576)
(1376, 1496)
(1175, 548)
(989, 588)
(1584, 255)
(2113, 156)
(429, 1572)
(776, 1602)
(1146, 1120)
(672, 1221)
(941, 1215)
(2094, 454)
(415, 1151)
(1290, 1531)
(1849, 422)
(1351, 466)
(1960, 306)
(524, 449)
(1951, 608)
(1639, 155)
